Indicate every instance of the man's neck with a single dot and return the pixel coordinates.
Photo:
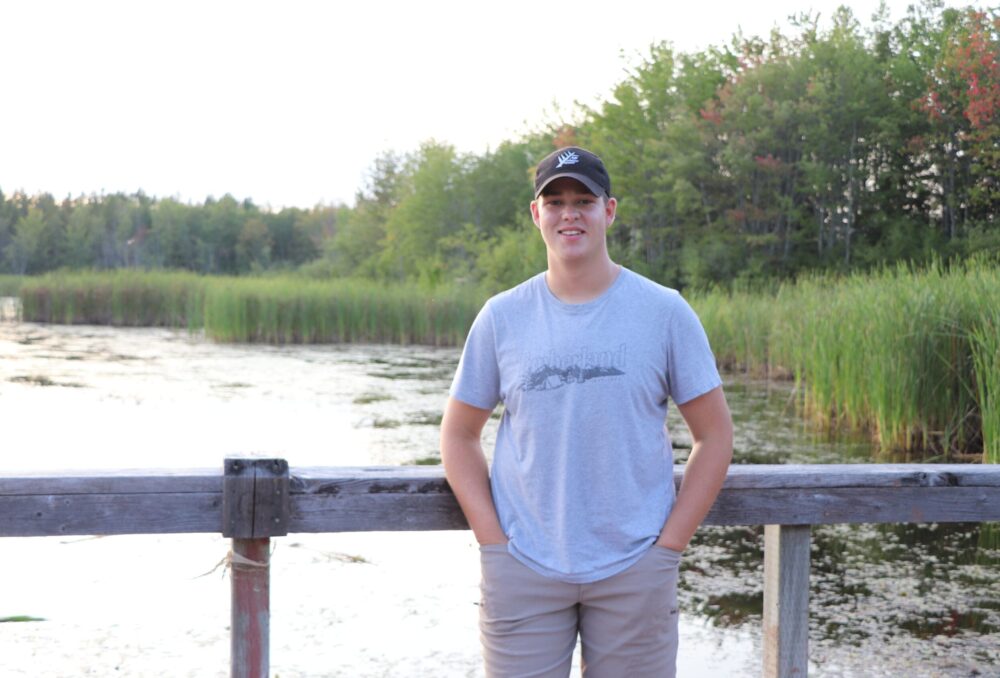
(580, 284)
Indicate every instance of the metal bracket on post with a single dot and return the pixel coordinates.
(254, 509)
(786, 600)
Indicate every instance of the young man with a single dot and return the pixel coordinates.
(579, 528)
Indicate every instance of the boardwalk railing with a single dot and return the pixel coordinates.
(253, 500)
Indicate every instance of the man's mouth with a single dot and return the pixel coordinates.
(571, 231)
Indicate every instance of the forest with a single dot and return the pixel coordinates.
(840, 146)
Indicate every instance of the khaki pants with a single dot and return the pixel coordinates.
(627, 623)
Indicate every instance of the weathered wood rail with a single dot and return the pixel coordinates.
(252, 500)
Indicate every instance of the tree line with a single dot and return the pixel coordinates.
(838, 146)
(39, 234)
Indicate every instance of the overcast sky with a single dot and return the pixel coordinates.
(289, 103)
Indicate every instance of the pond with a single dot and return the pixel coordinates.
(886, 600)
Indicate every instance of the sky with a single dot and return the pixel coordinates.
(289, 103)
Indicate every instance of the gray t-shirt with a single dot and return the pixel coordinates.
(582, 473)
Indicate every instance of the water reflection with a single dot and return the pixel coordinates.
(904, 592)
(886, 599)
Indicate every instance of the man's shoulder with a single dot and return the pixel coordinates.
(514, 298)
(648, 291)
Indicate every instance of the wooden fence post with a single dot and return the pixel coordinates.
(786, 601)
(254, 508)
(250, 629)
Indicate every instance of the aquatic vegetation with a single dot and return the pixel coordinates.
(430, 460)
(10, 285)
(368, 398)
(21, 618)
(986, 361)
(122, 298)
(907, 355)
(297, 310)
(385, 422)
(42, 380)
(276, 310)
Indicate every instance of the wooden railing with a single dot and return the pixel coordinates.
(253, 500)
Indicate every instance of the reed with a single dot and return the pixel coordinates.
(122, 298)
(890, 352)
(296, 310)
(986, 359)
(741, 329)
(276, 310)
(10, 285)
(910, 356)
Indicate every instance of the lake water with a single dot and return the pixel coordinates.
(886, 600)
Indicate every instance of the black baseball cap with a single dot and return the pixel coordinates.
(576, 163)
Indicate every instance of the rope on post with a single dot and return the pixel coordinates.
(254, 508)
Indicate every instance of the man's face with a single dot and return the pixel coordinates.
(573, 221)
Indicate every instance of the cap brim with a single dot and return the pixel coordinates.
(591, 185)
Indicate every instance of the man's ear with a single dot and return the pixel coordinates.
(610, 209)
(534, 213)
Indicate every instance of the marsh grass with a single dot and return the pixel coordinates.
(296, 311)
(121, 298)
(910, 356)
(10, 285)
(275, 310)
(986, 361)
(900, 353)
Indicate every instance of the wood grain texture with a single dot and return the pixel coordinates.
(111, 481)
(374, 512)
(855, 505)
(271, 498)
(255, 497)
(337, 499)
(858, 475)
(78, 514)
(238, 498)
(250, 630)
(786, 601)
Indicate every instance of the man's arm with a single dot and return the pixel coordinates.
(711, 425)
(466, 469)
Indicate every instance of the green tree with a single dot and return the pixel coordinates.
(430, 208)
(224, 219)
(84, 230)
(356, 245)
(28, 250)
(253, 246)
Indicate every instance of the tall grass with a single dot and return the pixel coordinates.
(986, 360)
(275, 310)
(123, 298)
(892, 352)
(296, 310)
(10, 285)
(911, 356)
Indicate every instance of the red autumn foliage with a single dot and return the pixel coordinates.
(967, 79)
(768, 162)
(712, 115)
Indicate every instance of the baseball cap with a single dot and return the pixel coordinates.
(577, 163)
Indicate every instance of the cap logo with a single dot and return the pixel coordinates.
(568, 158)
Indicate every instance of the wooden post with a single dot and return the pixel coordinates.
(254, 508)
(786, 601)
(251, 608)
